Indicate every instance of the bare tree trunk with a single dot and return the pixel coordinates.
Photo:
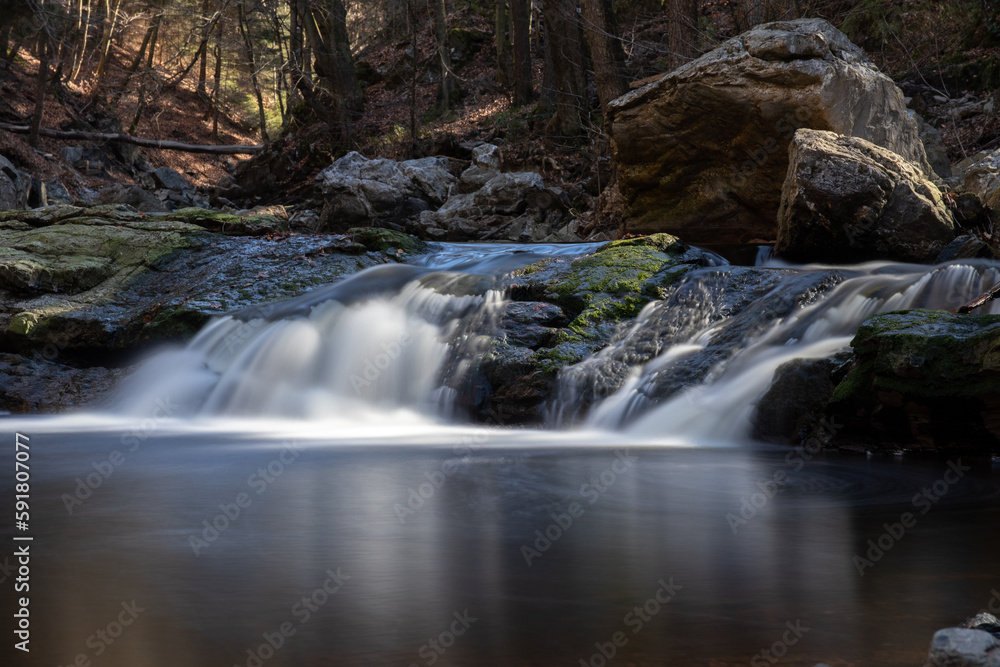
(135, 64)
(605, 51)
(683, 36)
(522, 51)
(217, 83)
(108, 33)
(254, 80)
(202, 55)
(334, 64)
(447, 83)
(41, 87)
(505, 73)
(412, 12)
(566, 52)
(141, 101)
(83, 27)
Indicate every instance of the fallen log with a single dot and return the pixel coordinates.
(75, 135)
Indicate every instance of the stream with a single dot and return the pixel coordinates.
(298, 486)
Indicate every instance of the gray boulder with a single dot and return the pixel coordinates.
(14, 186)
(963, 647)
(703, 150)
(358, 190)
(432, 176)
(846, 199)
(982, 178)
(131, 195)
(167, 178)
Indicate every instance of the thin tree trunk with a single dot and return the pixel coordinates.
(106, 37)
(141, 101)
(447, 83)
(505, 74)
(216, 85)
(85, 29)
(563, 38)
(522, 51)
(41, 87)
(412, 12)
(606, 51)
(254, 80)
(683, 35)
(134, 67)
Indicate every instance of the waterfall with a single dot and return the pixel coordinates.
(699, 363)
(327, 357)
(402, 340)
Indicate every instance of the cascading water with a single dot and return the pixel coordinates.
(694, 365)
(398, 338)
(393, 337)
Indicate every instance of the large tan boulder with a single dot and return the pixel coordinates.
(703, 152)
(846, 200)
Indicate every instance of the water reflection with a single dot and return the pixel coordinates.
(379, 556)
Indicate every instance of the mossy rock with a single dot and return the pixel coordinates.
(387, 241)
(619, 279)
(925, 353)
(225, 223)
(925, 380)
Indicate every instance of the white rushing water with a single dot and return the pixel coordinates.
(395, 343)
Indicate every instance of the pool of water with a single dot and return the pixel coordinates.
(432, 545)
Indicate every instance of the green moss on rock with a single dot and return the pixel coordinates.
(377, 239)
(924, 353)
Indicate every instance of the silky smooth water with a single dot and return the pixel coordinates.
(549, 543)
(264, 497)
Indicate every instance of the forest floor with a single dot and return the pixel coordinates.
(907, 43)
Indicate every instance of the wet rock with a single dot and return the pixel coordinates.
(568, 308)
(703, 151)
(923, 380)
(14, 186)
(94, 282)
(795, 404)
(962, 647)
(746, 301)
(965, 246)
(29, 386)
(847, 200)
(532, 324)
